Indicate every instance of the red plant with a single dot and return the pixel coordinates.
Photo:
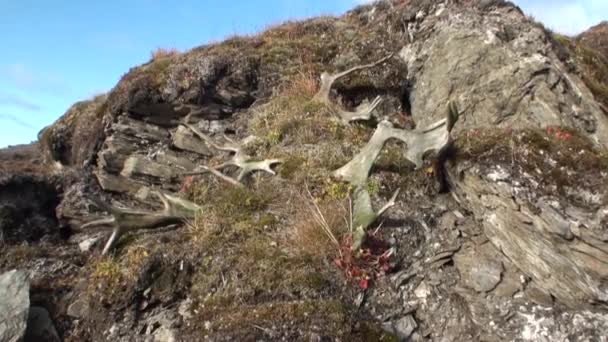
(473, 133)
(366, 265)
(559, 133)
(186, 184)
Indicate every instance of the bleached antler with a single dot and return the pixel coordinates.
(364, 111)
(364, 214)
(175, 210)
(240, 159)
(418, 142)
(356, 172)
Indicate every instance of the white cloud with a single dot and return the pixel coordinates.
(16, 101)
(15, 120)
(25, 78)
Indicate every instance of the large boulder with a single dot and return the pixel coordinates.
(14, 305)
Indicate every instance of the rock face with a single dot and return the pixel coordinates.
(500, 67)
(551, 226)
(517, 250)
(14, 305)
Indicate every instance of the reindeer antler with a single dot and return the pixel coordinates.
(240, 159)
(175, 210)
(364, 111)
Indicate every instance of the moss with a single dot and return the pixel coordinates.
(106, 278)
(239, 203)
(372, 332)
(373, 186)
(13, 255)
(274, 137)
(337, 190)
(291, 165)
(392, 159)
(158, 68)
(327, 317)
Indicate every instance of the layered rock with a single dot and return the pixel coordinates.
(542, 203)
(528, 218)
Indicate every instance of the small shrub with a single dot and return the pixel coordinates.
(106, 278)
(337, 191)
(373, 186)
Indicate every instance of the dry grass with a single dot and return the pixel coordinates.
(318, 228)
(160, 53)
(303, 85)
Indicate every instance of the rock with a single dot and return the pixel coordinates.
(85, 245)
(509, 81)
(478, 269)
(535, 233)
(79, 308)
(403, 328)
(14, 305)
(40, 327)
(402, 277)
(137, 165)
(120, 184)
(163, 334)
(538, 295)
(184, 139)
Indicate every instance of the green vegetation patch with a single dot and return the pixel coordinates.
(561, 160)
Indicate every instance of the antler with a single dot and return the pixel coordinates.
(364, 111)
(364, 214)
(356, 172)
(175, 210)
(434, 137)
(240, 159)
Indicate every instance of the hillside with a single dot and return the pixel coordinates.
(412, 170)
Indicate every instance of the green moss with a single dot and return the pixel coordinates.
(308, 316)
(392, 158)
(274, 137)
(373, 186)
(337, 190)
(106, 279)
(156, 69)
(238, 203)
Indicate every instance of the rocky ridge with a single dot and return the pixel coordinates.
(516, 249)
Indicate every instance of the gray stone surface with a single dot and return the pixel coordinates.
(509, 81)
(479, 270)
(569, 269)
(14, 305)
(403, 328)
(184, 139)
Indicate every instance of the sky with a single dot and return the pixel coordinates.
(55, 53)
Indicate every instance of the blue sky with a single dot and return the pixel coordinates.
(57, 52)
